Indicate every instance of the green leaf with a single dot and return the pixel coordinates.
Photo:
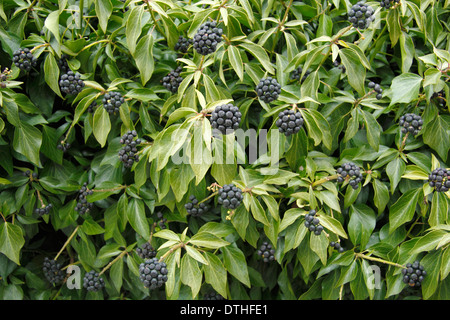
(215, 274)
(333, 225)
(404, 88)
(395, 170)
(258, 211)
(11, 241)
(259, 53)
(361, 225)
(144, 58)
(136, 217)
(435, 134)
(394, 27)
(356, 73)
(236, 264)
(207, 240)
(403, 209)
(133, 27)
(439, 209)
(51, 72)
(236, 61)
(101, 125)
(373, 129)
(191, 274)
(27, 141)
(103, 9)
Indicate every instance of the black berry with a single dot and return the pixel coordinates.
(351, 172)
(388, 3)
(439, 98)
(289, 122)
(339, 65)
(414, 274)
(230, 196)
(312, 223)
(128, 154)
(92, 281)
(24, 59)
(83, 206)
(162, 221)
(153, 273)
(71, 83)
(194, 208)
(377, 88)
(112, 101)
(62, 64)
(146, 251)
(411, 123)
(337, 246)
(91, 107)
(268, 89)
(172, 81)
(439, 179)
(183, 44)
(266, 251)
(213, 296)
(52, 271)
(226, 118)
(43, 210)
(295, 75)
(361, 15)
(207, 37)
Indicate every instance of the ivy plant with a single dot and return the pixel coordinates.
(226, 149)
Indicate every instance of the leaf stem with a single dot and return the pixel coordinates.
(175, 247)
(362, 256)
(120, 256)
(67, 242)
(323, 180)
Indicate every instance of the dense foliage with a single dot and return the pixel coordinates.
(237, 149)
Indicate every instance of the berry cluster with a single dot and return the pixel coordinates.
(377, 88)
(128, 153)
(337, 246)
(268, 89)
(52, 271)
(24, 59)
(82, 205)
(388, 3)
(411, 123)
(44, 210)
(63, 146)
(349, 171)
(71, 82)
(92, 281)
(62, 64)
(153, 273)
(28, 173)
(183, 44)
(312, 223)
(289, 122)
(226, 118)
(230, 196)
(146, 251)
(112, 101)
(213, 296)
(295, 75)
(172, 81)
(92, 106)
(339, 65)
(440, 179)
(361, 15)
(162, 220)
(414, 274)
(439, 98)
(207, 38)
(4, 76)
(194, 208)
(266, 251)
